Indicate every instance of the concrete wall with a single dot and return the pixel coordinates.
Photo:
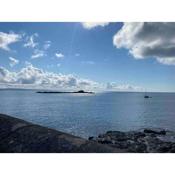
(19, 136)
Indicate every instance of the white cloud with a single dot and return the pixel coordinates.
(59, 55)
(47, 44)
(90, 25)
(123, 87)
(32, 77)
(145, 40)
(38, 53)
(8, 38)
(13, 61)
(30, 41)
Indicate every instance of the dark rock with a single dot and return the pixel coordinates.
(172, 150)
(137, 148)
(117, 135)
(90, 138)
(101, 136)
(165, 147)
(161, 132)
(146, 141)
(105, 141)
(136, 135)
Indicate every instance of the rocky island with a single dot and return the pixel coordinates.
(62, 92)
(19, 136)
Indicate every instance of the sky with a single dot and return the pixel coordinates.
(92, 56)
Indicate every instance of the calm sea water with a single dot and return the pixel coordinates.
(91, 114)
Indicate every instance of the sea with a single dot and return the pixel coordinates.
(88, 115)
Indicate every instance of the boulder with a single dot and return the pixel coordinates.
(155, 131)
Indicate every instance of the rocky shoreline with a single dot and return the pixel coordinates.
(142, 141)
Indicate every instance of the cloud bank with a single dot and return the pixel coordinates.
(35, 78)
(123, 87)
(145, 40)
(32, 77)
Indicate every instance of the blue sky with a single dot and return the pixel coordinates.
(87, 52)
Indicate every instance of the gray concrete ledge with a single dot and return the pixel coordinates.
(19, 136)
